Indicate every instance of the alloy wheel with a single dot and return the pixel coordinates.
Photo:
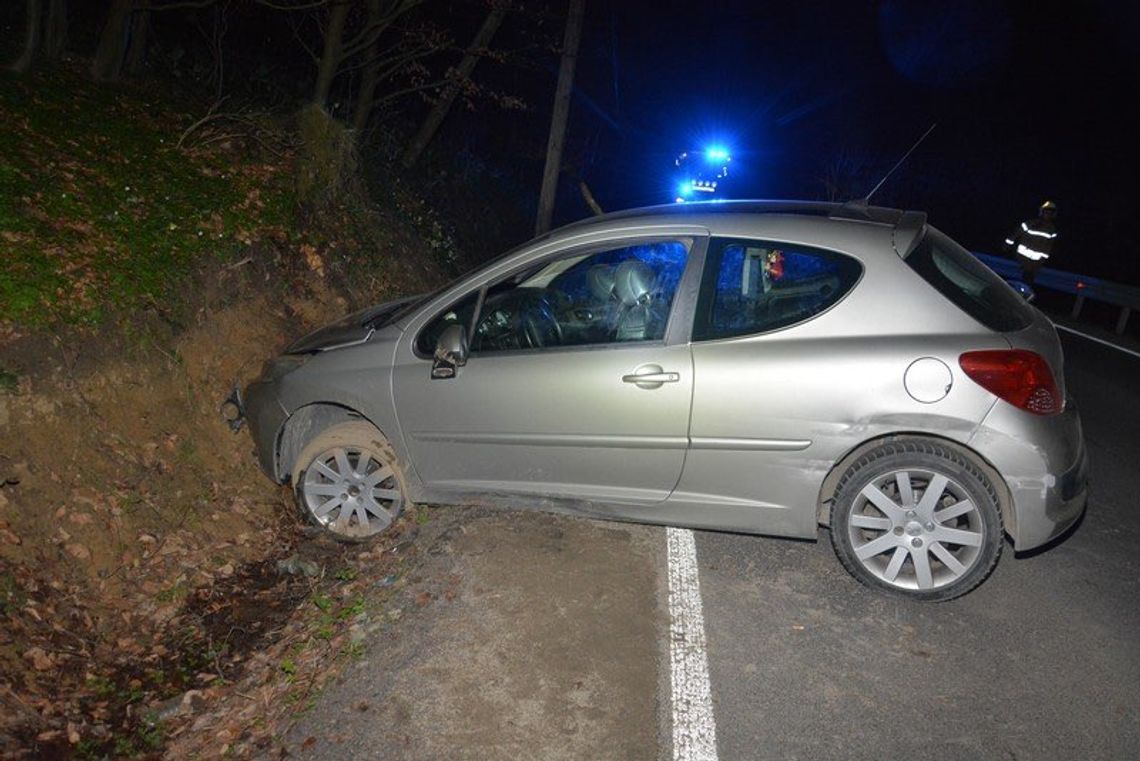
(916, 529)
(351, 492)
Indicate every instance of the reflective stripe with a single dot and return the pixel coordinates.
(1041, 234)
(1029, 253)
(1009, 241)
(1025, 226)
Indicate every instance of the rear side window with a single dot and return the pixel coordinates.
(970, 285)
(755, 287)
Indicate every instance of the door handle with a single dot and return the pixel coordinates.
(661, 377)
(650, 376)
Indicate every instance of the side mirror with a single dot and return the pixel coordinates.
(450, 352)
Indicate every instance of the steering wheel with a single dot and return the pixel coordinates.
(539, 325)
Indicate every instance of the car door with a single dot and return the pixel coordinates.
(578, 383)
(769, 396)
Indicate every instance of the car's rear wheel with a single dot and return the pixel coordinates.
(348, 482)
(918, 518)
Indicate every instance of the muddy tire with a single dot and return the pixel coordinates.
(347, 481)
(917, 518)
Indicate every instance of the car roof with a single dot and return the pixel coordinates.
(907, 225)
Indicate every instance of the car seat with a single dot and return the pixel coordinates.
(633, 285)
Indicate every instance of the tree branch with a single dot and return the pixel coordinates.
(371, 32)
(174, 5)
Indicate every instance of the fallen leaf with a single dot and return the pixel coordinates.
(41, 661)
(313, 259)
(79, 551)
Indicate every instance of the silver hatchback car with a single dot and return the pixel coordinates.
(746, 366)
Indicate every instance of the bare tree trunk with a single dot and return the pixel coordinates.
(447, 97)
(332, 53)
(588, 197)
(217, 47)
(136, 46)
(107, 65)
(32, 35)
(55, 29)
(371, 76)
(558, 119)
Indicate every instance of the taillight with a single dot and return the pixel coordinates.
(1020, 377)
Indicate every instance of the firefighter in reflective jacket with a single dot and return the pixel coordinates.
(1033, 242)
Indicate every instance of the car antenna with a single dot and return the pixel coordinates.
(866, 200)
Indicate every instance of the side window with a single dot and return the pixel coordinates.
(617, 295)
(755, 287)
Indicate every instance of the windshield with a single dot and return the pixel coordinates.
(415, 302)
(970, 285)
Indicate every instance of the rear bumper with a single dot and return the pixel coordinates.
(1045, 465)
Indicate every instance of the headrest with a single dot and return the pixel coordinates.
(633, 282)
(600, 279)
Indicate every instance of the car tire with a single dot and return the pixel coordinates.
(348, 481)
(918, 518)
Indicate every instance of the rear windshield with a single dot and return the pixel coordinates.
(972, 286)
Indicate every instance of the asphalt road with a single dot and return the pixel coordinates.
(521, 636)
(1042, 661)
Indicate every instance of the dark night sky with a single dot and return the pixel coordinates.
(1030, 104)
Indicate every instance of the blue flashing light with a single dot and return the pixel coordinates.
(716, 153)
(685, 188)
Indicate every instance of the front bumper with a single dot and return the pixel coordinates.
(265, 417)
(1044, 462)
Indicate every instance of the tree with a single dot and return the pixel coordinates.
(45, 32)
(55, 30)
(333, 52)
(558, 119)
(363, 108)
(447, 97)
(32, 19)
(107, 66)
(362, 43)
(136, 43)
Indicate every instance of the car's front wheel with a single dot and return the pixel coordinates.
(347, 481)
(918, 518)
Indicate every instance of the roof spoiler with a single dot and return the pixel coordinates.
(908, 232)
(908, 225)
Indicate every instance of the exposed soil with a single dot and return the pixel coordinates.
(139, 542)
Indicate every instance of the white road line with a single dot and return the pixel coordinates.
(1118, 347)
(694, 729)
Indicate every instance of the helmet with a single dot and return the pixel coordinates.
(1048, 206)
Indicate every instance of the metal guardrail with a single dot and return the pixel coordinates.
(1126, 297)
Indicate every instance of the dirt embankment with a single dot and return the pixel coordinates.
(147, 568)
